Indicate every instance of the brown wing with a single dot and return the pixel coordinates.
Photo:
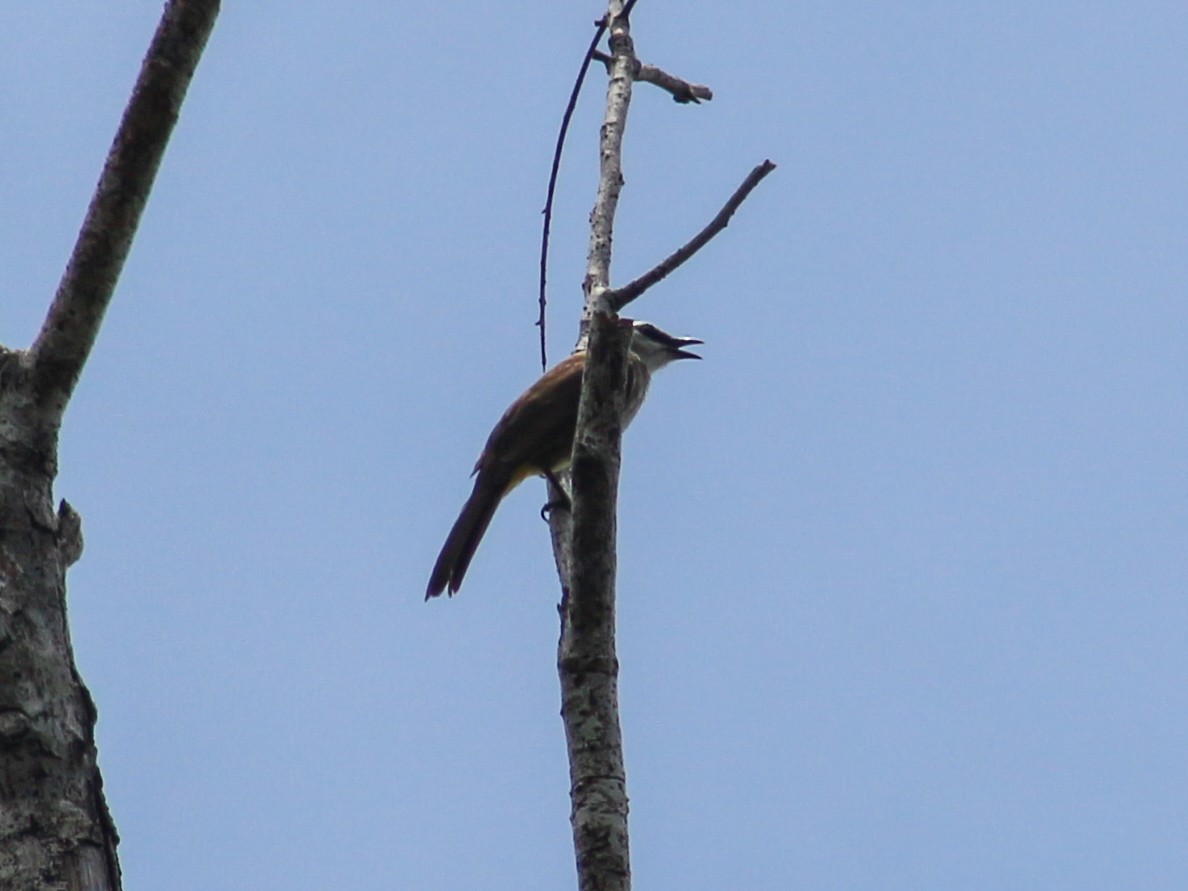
(536, 433)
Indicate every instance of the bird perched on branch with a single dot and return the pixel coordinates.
(535, 438)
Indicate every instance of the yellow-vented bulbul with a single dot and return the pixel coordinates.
(535, 438)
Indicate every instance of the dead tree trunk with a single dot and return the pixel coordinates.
(55, 829)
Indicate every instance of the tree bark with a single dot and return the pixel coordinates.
(587, 660)
(55, 828)
(587, 663)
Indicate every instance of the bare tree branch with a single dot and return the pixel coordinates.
(624, 295)
(610, 153)
(586, 659)
(682, 90)
(584, 538)
(70, 329)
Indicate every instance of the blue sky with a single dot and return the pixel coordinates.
(903, 577)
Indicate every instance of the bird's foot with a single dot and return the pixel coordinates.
(561, 501)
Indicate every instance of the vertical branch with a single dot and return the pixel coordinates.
(610, 159)
(587, 663)
(586, 659)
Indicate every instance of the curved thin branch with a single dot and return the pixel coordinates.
(548, 208)
(61, 349)
(624, 295)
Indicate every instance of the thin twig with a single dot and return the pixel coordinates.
(682, 91)
(70, 328)
(548, 208)
(620, 297)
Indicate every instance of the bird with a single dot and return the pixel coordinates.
(535, 438)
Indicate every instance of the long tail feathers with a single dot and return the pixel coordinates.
(464, 538)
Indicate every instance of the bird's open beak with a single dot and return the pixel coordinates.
(684, 342)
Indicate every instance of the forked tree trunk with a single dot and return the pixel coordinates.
(55, 830)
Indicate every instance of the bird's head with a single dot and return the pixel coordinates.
(656, 348)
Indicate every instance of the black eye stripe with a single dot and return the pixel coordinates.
(650, 332)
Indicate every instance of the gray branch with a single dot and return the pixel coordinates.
(586, 661)
(624, 295)
(682, 91)
(584, 537)
(610, 156)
